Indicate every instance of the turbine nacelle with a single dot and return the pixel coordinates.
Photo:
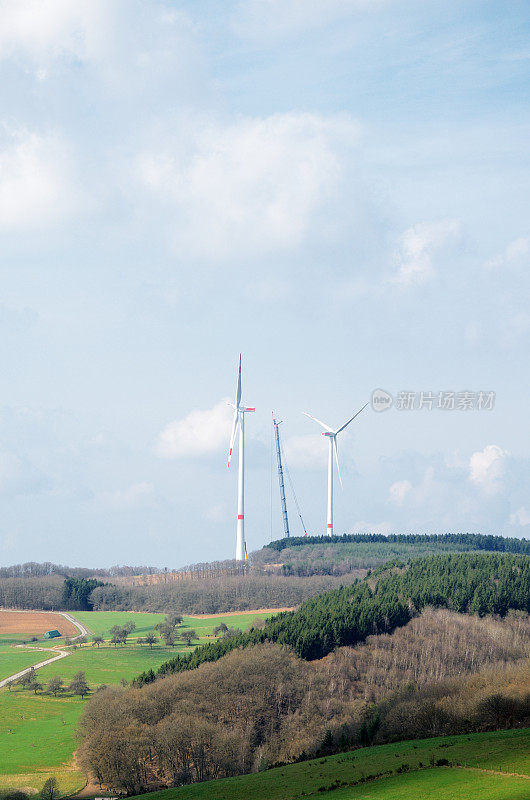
(238, 409)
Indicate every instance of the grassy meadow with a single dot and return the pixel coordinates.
(100, 622)
(441, 783)
(37, 740)
(109, 664)
(37, 731)
(503, 751)
(14, 659)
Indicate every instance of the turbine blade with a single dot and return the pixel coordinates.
(238, 391)
(351, 420)
(233, 436)
(336, 451)
(323, 424)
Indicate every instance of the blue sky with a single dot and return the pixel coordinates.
(339, 190)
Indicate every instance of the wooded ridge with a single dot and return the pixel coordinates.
(479, 583)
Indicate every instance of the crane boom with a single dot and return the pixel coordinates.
(280, 476)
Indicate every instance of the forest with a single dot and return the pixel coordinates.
(342, 555)
(480, 583)
(443, 672)
(443, 541)
(283, 574)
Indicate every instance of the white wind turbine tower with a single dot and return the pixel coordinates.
(332, 441)
(239, 424)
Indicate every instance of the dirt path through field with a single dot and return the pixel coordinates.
(58, 654)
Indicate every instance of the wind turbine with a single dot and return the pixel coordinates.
(239, 424)
(332, 441)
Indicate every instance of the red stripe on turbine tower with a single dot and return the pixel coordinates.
(241, 516)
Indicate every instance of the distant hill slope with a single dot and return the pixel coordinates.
(340, 555)
(481, 583)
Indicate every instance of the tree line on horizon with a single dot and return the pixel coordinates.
(308, 570)
(464, 541)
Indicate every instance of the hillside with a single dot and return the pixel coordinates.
(282, 574)
(367, 773)
(341, 555)
(409, 651)
(483, 583)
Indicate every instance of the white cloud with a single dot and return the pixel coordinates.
(418, 246)
(46, 29)
(252, 185)
(398, 491)
(36, 186)
(130, 44)
(516, 254)
(425, 492)
(199, 433)
(520, 517)
(306, 452)
(487, 467)
(280, 18)
(131, 497)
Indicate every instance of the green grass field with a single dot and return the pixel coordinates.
(15, 659)
(37, 732)
(440, 783)
(69, 781)
(506, 751)
(37, 740)
(100, 622)
(109, 664)
(19, 638)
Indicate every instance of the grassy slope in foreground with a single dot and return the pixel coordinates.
(506, 751)
(440, 783)
(36, 741)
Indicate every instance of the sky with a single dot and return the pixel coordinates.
(339, 191)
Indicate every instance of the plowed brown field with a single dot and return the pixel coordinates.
(35, 623)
